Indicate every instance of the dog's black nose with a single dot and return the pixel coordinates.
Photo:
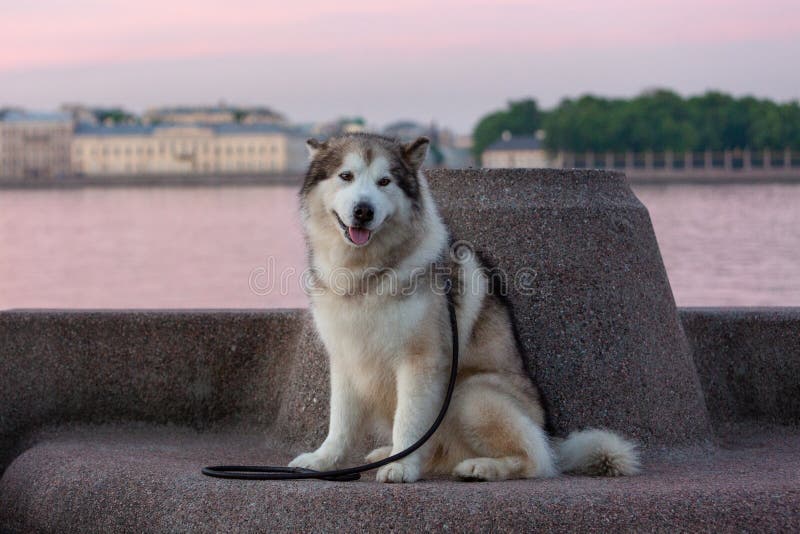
(363, 213)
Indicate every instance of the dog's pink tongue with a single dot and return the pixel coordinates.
(359, 236)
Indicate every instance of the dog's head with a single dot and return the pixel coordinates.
(359, 185)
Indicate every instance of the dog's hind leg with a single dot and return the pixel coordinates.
(487, 469)
(506, 441)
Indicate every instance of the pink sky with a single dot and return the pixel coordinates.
(446, 60)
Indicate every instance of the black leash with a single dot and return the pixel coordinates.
(269, 472)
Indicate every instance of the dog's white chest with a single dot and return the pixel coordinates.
(371, 328)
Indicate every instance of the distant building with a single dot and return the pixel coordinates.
(516, 152)
(220, 114)
(35, 145)
(187, 149)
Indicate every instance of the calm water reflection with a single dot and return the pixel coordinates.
(211, 247)
(729, 245)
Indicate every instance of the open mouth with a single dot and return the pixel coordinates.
(355, 234)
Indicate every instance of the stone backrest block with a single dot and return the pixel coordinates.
(599, 326)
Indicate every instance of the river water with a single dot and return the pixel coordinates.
(240, 247)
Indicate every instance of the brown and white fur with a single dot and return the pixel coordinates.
(368, 214)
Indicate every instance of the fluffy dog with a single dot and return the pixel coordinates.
(376, 245)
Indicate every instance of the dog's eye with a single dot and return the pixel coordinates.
(383, 182)
(346, 176)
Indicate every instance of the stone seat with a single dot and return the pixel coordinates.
(146, 478)
(142, 427)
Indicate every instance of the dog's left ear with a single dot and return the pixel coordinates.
(414, 152)
(313, 147)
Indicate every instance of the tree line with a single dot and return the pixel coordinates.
(656, 120)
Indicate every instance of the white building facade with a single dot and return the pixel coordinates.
(517, 152)
(35, 145)
(186, 149)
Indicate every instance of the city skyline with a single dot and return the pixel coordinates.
(424, 62)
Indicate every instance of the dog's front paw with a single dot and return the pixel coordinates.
(398, 472)
(313, 460)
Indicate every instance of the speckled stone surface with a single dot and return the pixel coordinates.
(749, 361)
(146, 479)
(250, 387)
(302, 417)
(600, 330)
(194, 368)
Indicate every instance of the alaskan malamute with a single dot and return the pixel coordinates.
(375, 239)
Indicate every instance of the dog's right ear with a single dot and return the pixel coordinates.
(313, 147)
(415, 152)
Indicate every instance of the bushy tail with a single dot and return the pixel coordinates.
(597, 453)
